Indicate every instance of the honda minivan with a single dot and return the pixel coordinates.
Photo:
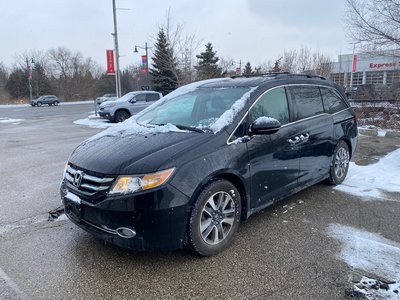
(185, 171)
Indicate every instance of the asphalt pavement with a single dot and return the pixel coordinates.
(283, 252)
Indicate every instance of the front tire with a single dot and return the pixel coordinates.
(340, 164)
(121, 116)
(39, 104)
(55, 103)
(214, 218)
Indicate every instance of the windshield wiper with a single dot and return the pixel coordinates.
(184, 127)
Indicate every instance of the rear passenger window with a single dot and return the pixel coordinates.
(140, 97)
(272, 104)
(152, 97)
(332, 101)
(307, 101)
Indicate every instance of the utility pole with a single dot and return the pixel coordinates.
(29, 71)
(115, 34)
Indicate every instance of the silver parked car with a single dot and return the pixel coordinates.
(47, 99)
(121, 109)
(106, 97)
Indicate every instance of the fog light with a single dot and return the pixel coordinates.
(126, 233)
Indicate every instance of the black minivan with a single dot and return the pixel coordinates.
(186, 170)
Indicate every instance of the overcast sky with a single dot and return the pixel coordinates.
(247, 30)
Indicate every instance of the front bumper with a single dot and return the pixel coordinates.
(159, 218)
(106, 114)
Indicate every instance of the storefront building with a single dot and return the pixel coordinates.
(353, 70)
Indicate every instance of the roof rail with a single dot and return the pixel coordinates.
(281, 76)
(259, 75)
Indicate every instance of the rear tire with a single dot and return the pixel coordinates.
(121, 116)
(55, 103)
(340, 164)
(214, 218)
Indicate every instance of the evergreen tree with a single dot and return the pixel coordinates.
(207, 66)
(248, 70)
(277, 66)
(164, 66)
(17, 84)
(40, 81)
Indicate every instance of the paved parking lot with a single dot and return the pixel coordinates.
(287, 251)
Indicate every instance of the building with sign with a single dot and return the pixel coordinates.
(353, 70)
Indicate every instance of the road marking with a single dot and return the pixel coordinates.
(13, 285)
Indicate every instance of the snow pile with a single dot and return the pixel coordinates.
(228, 116)
(12, 121)
(371, 253)
(375, 289)
(94, 122)
(264, 121)
(369, 181)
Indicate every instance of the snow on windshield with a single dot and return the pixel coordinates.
(228, 116)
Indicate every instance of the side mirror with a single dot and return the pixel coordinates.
(265, 125)
(132, 100)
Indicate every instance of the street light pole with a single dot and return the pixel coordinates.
(29, 69)
(147, 59)
(115, 34)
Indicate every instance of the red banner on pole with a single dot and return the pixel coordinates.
(110, 62)
(354, 63)
(144, 63)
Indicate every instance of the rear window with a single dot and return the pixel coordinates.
(307, 101)
(152, 97)
(333, 103)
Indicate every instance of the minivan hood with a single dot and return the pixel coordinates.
(134, 153)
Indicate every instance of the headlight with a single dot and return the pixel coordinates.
(132, 184)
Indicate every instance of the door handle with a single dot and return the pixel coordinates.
(294, 140)
(304, 137)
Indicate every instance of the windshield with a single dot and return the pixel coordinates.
(200, 108)
(126, 97)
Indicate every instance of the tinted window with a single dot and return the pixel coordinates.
(332, 101)
(152, 97)
(307, 101)
(140, 97)
(272, 104)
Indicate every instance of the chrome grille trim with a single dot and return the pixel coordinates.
(90, 185)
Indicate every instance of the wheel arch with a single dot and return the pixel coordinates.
(234, 178)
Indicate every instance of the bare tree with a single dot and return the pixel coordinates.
(374, 24)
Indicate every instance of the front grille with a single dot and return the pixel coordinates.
(89, 185)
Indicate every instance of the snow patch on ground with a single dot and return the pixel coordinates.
(62, 103)
(12, 121)
(94, 122)
(375, 289)
(369, 181)
(7, 228)
(368, 251)
(374, 254)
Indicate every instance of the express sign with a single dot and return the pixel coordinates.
(384, 65)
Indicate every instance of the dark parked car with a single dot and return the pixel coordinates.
(47, 99)
(186, 170)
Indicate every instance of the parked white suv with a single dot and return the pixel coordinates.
(131, 103)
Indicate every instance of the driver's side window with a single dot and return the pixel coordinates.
(272, 104)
